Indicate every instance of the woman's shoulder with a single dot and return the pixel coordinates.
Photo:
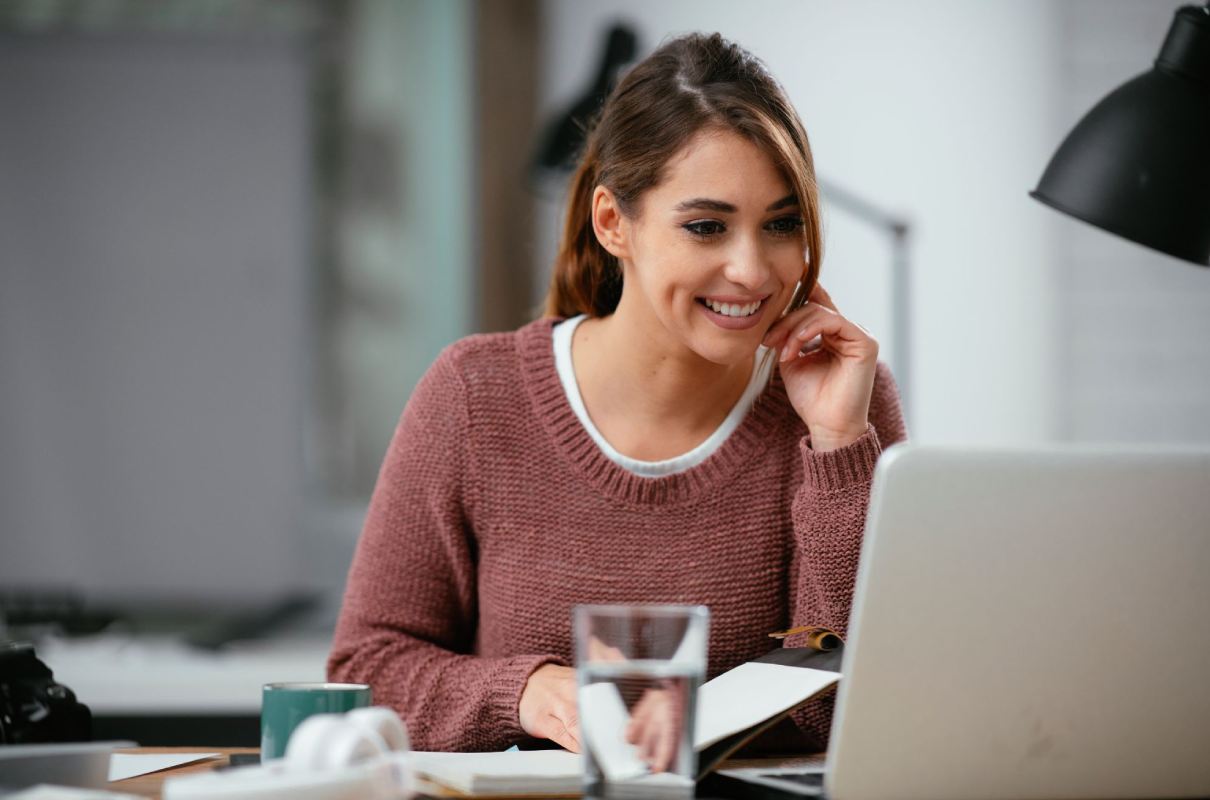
(491, 358)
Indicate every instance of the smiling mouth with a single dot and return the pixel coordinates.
(735, 310)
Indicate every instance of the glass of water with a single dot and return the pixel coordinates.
(638, 669)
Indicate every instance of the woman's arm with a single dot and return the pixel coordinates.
(828, 513)
(407, 625)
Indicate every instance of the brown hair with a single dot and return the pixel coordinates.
(690, 83)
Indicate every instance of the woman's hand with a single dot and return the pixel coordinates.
(830, 385)
(548, 706)
(656, 727)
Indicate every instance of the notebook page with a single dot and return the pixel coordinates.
(525, 770)
(750, 694)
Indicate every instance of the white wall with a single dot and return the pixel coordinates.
(942, 111)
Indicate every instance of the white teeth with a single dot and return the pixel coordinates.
(733, 309)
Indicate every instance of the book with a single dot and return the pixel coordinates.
(732, 710)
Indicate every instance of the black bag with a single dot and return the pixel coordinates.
(33, 707)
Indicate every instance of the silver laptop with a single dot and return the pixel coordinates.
(1027, 624)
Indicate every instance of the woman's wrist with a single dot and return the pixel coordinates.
(822, 441)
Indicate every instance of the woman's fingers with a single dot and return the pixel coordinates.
(818, 297)
(816, 325)
(571, 725)
(547, 708)
(599, 651)
(654, 729)
(821, 296)
(651, 745)
(564, 729)
(665, 749)
(779, 335)
(776, 337)
(637, 727)
(835, 330)
(659, 743)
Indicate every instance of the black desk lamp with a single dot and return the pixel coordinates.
(565, 135)
(1138, 164)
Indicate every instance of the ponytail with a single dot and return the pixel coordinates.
(587, 278)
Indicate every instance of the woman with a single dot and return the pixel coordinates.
(638, 444)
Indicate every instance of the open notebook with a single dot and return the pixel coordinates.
(732, 709)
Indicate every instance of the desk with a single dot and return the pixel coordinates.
(150, 785)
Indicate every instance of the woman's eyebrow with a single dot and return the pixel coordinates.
(785, 202)
(706, 204)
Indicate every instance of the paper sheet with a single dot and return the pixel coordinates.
(751, 693)
(50, 792)
(603, 721)
(130, 765)
(528, 770)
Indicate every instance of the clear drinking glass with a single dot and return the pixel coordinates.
(638, 669)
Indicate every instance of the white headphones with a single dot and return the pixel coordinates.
(361, 754)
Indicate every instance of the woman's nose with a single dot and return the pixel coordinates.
(748, 266)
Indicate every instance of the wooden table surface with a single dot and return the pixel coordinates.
(150, 785)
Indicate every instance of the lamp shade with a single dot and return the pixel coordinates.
(1138, 164)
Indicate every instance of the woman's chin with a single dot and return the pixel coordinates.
(727, 354)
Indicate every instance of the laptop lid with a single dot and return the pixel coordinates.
(1029, 624)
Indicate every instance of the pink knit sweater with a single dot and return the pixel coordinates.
(495, 513)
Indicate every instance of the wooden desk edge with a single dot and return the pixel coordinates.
(151, 785)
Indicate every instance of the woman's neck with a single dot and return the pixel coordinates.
(650, 397)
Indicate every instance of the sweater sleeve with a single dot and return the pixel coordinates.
(829, 512)
(407, 624)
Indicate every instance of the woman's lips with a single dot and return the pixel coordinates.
(733, 323)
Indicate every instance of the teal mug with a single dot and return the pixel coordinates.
(285, 705)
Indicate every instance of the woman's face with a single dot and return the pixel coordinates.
(715, 250)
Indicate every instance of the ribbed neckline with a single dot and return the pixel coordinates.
(562, 334)
(537, 362)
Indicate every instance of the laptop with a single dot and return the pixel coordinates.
(1026, 624)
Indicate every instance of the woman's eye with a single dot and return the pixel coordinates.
(786, 226)
(704, 229)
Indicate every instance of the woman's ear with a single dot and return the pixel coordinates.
(610, 225)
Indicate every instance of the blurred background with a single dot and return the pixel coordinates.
(234, 233)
